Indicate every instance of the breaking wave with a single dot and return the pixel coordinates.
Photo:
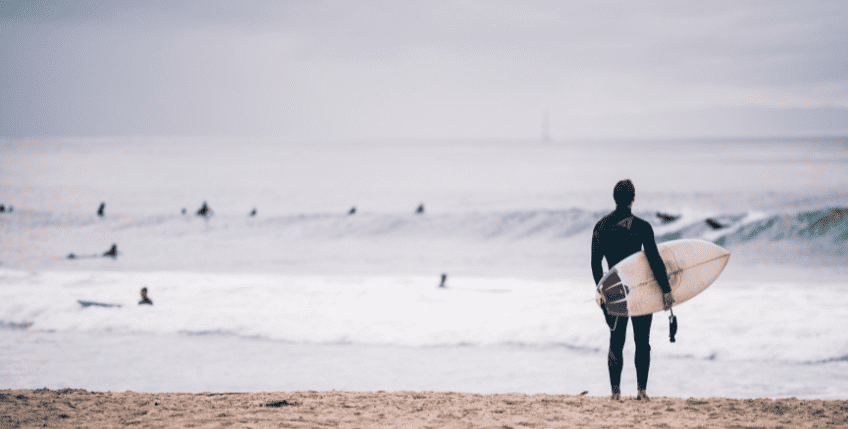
(828, 226)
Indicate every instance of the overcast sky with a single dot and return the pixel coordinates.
(362, 70)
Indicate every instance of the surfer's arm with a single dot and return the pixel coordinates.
(654, 259)
(597, 257)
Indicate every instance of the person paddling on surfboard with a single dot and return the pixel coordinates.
(615, 237)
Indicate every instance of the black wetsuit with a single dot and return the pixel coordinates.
(617, 236)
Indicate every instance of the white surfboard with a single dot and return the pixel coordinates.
(630, 289)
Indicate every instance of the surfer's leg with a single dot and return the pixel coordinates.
(614, 357)
(642, 336)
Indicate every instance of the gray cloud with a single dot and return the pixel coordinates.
(318, 69)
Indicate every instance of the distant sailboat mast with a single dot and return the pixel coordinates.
(545, 136)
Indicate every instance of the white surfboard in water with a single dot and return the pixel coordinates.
(630, 288)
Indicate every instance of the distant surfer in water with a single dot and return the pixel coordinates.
(144, 298)
(112, 252)
(667, 218)
(100, 209)
(714, 224)
(420, 209)
(444, 278)
(615, 237)
(204, 210)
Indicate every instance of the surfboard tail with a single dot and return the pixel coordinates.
(614, 294)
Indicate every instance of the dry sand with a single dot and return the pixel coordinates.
(81, 408)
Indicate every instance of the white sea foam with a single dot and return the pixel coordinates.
(731, 321)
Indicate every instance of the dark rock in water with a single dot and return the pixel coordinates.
(714, 224)
(667, 218)
(112, 252)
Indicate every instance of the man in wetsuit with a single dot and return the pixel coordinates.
(204, 210)
(144, 298)
(617, 236)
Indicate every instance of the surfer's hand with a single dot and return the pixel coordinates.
(668, 300)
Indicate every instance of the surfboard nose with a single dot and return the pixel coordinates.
(723, 256)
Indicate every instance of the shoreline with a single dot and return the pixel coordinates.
(82, 408)
(221, 363)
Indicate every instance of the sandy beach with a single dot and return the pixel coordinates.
(85, 409)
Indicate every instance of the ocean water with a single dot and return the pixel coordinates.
(304, 296)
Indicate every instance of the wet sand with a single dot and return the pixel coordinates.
(81, 408)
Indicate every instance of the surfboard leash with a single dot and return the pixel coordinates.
(672, 326)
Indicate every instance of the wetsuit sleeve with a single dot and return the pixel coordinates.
(654, 259)
(597, 256)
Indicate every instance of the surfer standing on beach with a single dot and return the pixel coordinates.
(615, 237)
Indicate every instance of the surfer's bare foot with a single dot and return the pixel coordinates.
(616, 394)
(642, 396)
